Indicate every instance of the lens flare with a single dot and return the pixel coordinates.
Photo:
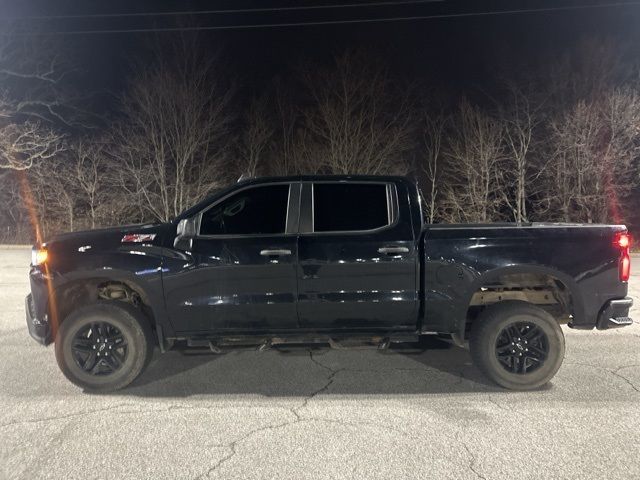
(32, 211)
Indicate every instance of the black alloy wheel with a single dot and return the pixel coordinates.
(518, 345)
(522, 347)
(99, 348)
(104, 346)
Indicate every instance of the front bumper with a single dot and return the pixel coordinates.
(615, 314)
(39, 328)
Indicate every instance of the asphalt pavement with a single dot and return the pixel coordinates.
(318, 414)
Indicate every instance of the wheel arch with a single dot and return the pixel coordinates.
(568, 282)
(83, 288)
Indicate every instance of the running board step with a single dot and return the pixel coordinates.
(262, 343)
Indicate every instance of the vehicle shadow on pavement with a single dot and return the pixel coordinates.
(441, 368)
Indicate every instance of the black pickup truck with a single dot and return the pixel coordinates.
(337, 260)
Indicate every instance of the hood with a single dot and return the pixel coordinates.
(109, 238)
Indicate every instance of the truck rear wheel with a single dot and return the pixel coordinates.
(517, 345)
(104, 346)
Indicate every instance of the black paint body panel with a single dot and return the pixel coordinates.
(225, 285)
(346, 283)
(80, 257)
(333, 282)
(459, 260)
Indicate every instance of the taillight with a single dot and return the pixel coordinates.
(625, 267)
(622, 240)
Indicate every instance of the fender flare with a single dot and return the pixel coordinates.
(151, 296)
(577, 302)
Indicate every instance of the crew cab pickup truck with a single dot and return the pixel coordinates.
(336, 260)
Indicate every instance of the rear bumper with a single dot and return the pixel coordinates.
(39, 328)
(615, 314)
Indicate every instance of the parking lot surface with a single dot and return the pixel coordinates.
(321, 414)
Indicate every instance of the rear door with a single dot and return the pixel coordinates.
(357, 257)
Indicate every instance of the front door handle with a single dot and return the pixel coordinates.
(395, 249)
(276, 252)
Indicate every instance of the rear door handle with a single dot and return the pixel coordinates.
(276, 252)
(393, 249)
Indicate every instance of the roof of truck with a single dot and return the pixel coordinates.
(312, 178)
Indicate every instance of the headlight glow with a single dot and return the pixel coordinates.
(38, 256)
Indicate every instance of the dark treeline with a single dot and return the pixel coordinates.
(555, 140)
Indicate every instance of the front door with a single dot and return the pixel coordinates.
(357, 257)
(239, 275)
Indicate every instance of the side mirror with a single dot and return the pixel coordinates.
(185, 233)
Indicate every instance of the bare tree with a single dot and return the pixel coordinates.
(475, 153)
(24, 143)
(92, 182)
(287, 158)
(594, 148)
(520, 171)
(14, 217)
(431, 160)
(257, 138)
(174, 140)
(35, 101)
(52, 186)
(621, 131)
(357, 120)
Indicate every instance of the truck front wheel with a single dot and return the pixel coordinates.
(104, 346)
(517, 345)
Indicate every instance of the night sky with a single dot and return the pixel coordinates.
(461, 53)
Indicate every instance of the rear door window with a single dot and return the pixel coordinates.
(349, 207)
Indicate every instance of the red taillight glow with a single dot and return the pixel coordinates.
(622, 240)
(625, 268)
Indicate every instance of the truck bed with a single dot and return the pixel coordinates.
(459, 260)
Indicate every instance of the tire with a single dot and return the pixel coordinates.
(493, 352)
(82, 334)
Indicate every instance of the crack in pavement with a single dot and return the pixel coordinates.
(501, 407)
(471, 466)
(635, 365)
(611, 371)
(324, 388)
(232, 446)
(160, 409)
(294, 410)
(70, 415)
